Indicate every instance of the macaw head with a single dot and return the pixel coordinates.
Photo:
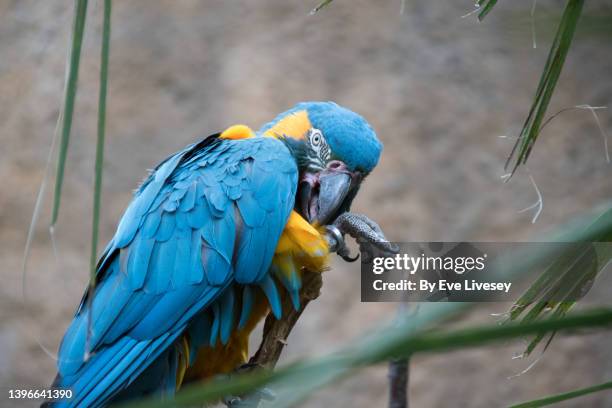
(335, 149)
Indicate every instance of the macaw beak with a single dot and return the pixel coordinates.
(326, 194)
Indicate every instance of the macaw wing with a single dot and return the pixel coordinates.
(207, 217)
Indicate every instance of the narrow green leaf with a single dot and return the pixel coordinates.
(320, 6)
(548, 81)
(545, 285)
(486, 9)
(564, 396)
(392, 343)
(99, 166)
(78, 29)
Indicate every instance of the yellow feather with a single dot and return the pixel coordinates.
(303, 245)
(237, 132)
(294, 125)
(183, 361)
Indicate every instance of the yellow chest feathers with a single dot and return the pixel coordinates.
(300, 246)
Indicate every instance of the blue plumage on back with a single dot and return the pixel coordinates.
(208, 217)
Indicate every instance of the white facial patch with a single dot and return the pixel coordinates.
(319, 145)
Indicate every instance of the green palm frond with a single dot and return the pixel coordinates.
(553, 399)
(78, 29)
(485, 7)
(548, 81)
(567, 279)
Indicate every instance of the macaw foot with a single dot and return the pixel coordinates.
(366, 232)
(253, 399)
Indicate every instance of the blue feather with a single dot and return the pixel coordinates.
(189, 199)
(170, 205)
(251, 211)
(166, 228)
(140, 254)
(135, 309)
(182, 261)
(292, 282)
(216, 267)
(217, 200)
(167, 311)
(178, 193)
(151, 224)
(196, 269)
(269, 288)
(254, 255)
(199, 334)
(181, 221)
(214, 329)
(159, 276)
(248, 299)
(227, 302)
(198, 215)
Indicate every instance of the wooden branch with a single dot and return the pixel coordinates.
(398, 383)
(276, 332)
(399, 369)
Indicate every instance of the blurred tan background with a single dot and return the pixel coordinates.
(438, 88)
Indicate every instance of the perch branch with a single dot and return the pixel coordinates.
(276, 332)
(398, 383)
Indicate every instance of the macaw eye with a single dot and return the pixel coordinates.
(318, 144)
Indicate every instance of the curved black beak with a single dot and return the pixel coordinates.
(334, 188)
(324, 195)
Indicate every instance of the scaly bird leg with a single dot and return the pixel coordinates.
(366, 232)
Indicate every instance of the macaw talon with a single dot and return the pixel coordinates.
(335, 240)
(345, 253)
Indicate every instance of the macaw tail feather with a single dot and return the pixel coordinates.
(97, 383)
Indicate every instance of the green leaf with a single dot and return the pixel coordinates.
(487, 6)
(564, 396)
(99, 166)
(568, 278)
(548, 81)
(320, 6)
(294, 382)
(78, 29)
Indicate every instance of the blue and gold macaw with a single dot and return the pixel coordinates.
(203, 248)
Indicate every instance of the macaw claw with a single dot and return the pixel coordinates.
(366, 232)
